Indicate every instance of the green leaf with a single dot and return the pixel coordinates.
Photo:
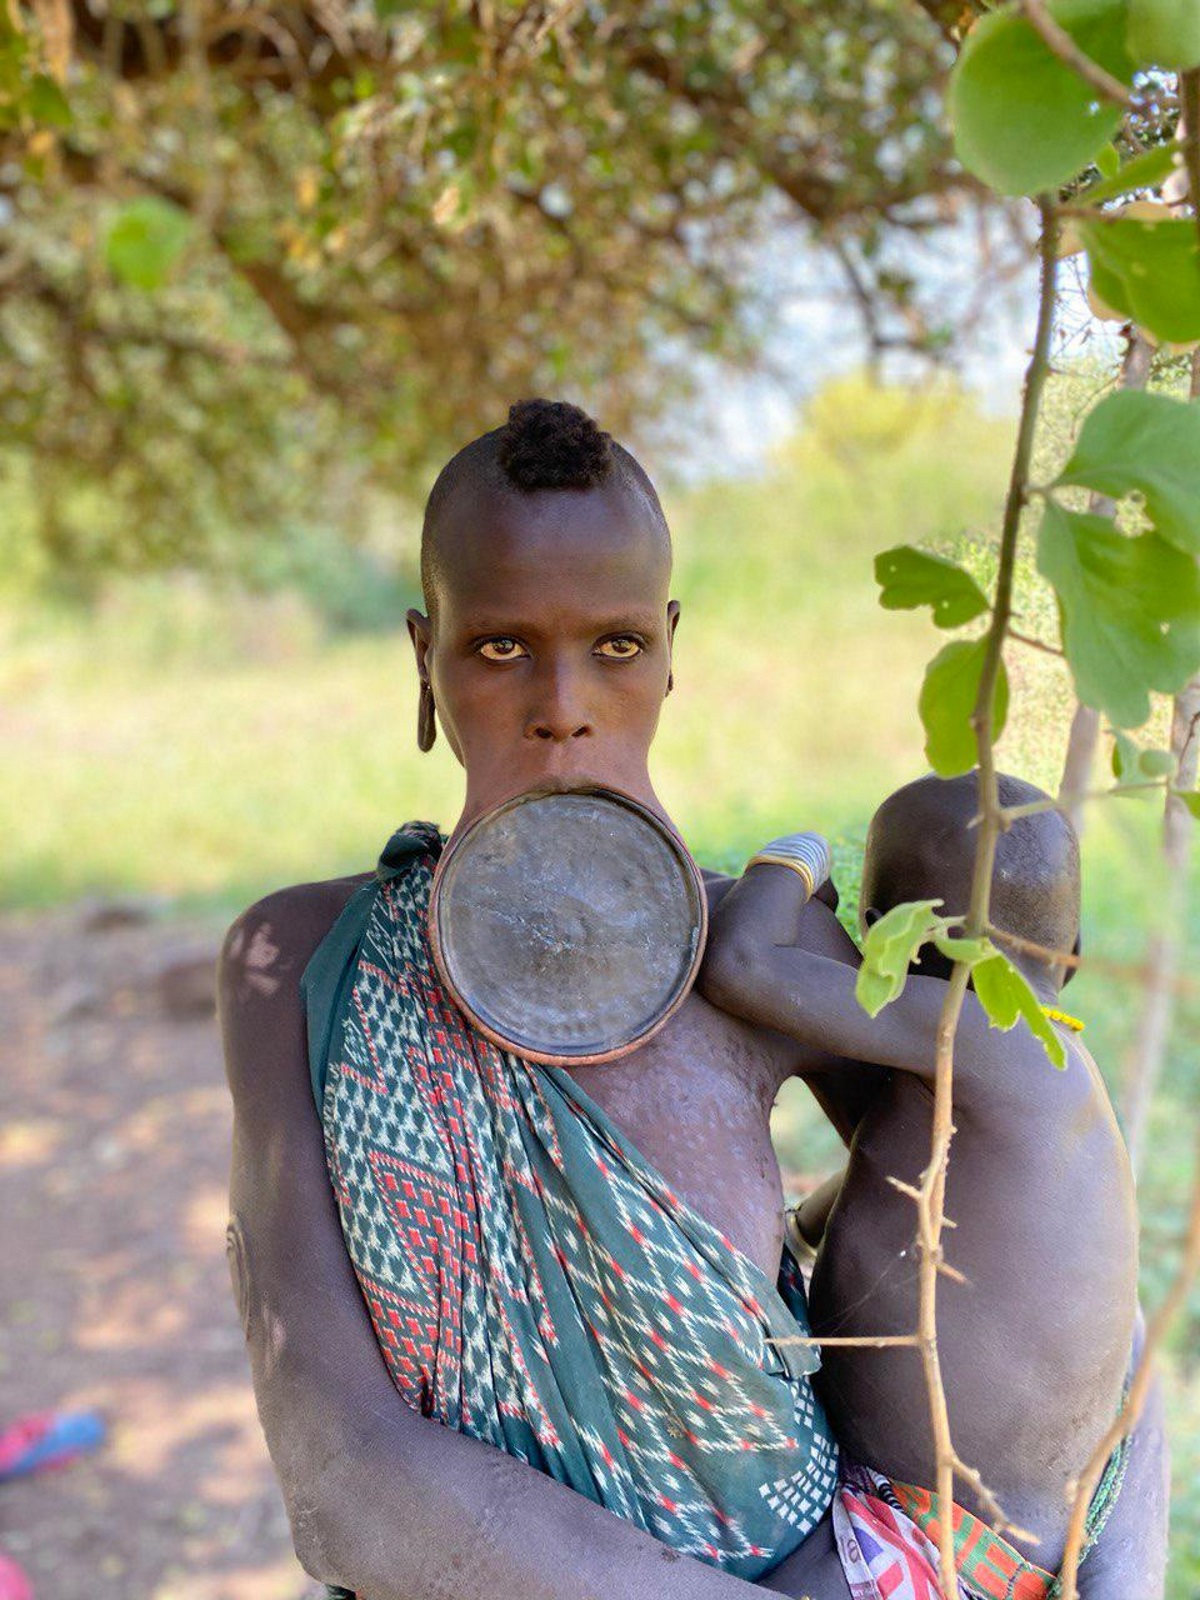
(1005, 994)
(12, 75)
(145, 239)
(1165, 33)
(1108, 161)
(1145, 171)
(1156, 764)
(996, 991)
(1129, 611)
(47, 104)
(890, 947)
(1147, 270)
(909, 578)
(972, 951)
(1023, 119)
(947, 702)
(1190, 798)
(1133, 765)
(1149, 443)
(1124, 755)
(873, 990)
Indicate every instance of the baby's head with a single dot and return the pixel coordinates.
(921, 846)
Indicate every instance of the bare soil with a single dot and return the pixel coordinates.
(113, 1166)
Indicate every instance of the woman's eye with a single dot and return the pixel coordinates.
(503, 649)
(621, 648)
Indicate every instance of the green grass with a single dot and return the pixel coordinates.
(211, 747)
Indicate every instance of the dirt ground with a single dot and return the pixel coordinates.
(113, 1157)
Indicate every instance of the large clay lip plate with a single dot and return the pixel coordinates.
(559, 950)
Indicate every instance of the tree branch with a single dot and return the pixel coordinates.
(932, 1192)
(949, 16)
(1057, 39)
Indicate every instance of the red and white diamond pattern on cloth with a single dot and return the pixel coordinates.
(533, 1283)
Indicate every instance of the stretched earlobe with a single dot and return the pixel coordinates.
(426, 722)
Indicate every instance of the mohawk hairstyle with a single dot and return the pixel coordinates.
(545, 444)
(551, 444)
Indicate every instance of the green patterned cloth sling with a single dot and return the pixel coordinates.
(533, 1282)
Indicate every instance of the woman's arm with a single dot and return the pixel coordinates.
(760, 965)
(381, 1500)
(1130, 1556)
(812, 1214)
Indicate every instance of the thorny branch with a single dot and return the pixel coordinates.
(931, 1195)
(1131, 972)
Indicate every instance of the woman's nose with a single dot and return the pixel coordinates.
(559, 712)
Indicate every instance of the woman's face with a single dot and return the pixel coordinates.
(550, 647)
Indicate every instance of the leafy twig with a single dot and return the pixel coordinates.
(1189, 1265)
(931, 1194)
(1057, 39)
(1128, 971)
(1065, 801)
(1036, 644)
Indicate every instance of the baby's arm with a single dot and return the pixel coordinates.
(812, 1213)
(754, 968)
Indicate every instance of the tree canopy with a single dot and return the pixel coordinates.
(254, 253)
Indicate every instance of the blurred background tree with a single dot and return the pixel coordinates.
(262, 267)
(256, 259)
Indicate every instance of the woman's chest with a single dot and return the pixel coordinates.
(696, 1103)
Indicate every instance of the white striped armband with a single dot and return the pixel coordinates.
(806, 853)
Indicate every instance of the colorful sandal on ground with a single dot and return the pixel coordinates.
(47, 1439)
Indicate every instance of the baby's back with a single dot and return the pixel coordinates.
(1034, 1346)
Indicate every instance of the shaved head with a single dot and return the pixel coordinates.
(545, 447)
(921, 846)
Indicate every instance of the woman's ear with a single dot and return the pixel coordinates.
(419, 633)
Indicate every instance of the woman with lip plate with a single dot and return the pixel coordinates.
(574, 1277)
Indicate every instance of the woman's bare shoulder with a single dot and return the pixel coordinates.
(268, 945)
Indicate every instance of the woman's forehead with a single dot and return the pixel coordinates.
(556, 599)
(600, 550)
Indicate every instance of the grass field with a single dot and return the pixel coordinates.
(207, 748)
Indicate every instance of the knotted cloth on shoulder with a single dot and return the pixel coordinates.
(533, 1282)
